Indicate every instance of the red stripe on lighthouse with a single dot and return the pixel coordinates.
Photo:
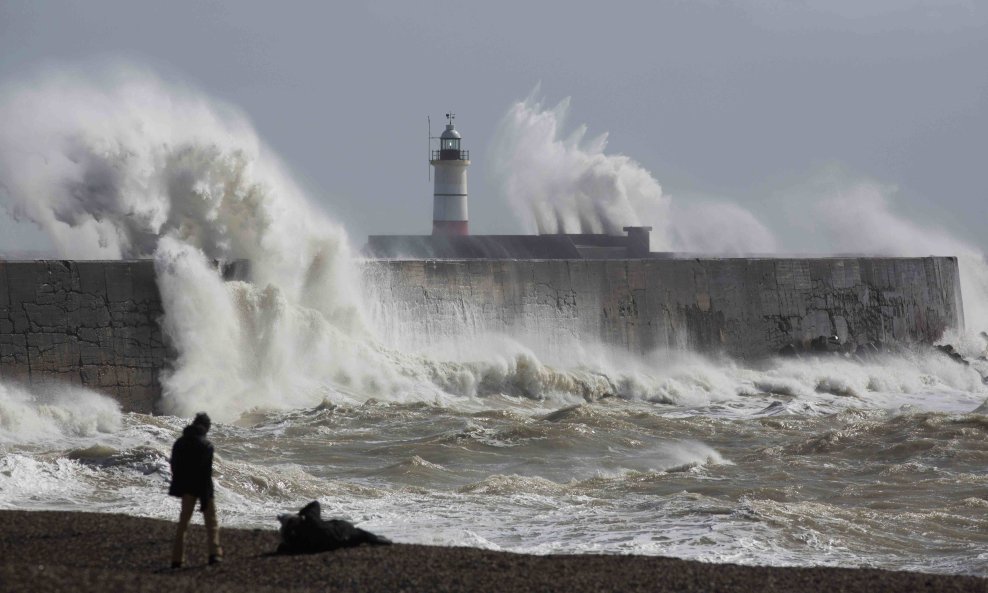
(456, 228)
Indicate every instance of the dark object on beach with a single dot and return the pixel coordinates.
(307, 533)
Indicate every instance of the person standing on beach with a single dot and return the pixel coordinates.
(192, 480)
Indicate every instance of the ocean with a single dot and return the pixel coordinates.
(319, 390)
(822, 461)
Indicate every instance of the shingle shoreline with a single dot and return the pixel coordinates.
(45, 551)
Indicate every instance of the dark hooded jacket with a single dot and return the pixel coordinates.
(192, 464)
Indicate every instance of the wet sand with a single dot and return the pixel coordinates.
(88, 552)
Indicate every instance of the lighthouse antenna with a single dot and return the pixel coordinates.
(429, 141)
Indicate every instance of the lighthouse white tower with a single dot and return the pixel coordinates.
(449, 206)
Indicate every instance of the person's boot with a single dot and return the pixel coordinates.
(176, 565)
(215, 559)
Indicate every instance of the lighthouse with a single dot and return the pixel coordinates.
(449, 205)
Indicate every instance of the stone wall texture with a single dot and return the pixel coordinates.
(88, 323)
(96, 324)
(746, 308)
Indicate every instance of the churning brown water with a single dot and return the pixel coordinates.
(826, 461)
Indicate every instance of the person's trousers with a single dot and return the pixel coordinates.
(212, 528)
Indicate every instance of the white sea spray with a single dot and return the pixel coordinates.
(478, 435)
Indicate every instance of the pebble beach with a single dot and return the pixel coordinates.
(46, 551)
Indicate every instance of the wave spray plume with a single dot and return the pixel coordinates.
(123, 165)
(563, 183)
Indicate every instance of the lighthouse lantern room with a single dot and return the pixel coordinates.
(449, 206)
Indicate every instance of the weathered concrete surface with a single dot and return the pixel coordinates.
(96, 323)
(84, 323)
(747, 308)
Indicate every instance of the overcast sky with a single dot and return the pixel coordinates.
(746, 100)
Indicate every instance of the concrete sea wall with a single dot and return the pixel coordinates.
(96, 324)
(83, 323)
(747, 308)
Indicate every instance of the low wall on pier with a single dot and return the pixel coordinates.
(96, 324)
(89, 323)
(744, 307)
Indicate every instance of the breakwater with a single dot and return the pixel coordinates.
(96, 323)
(744, 307)
(90, 323)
